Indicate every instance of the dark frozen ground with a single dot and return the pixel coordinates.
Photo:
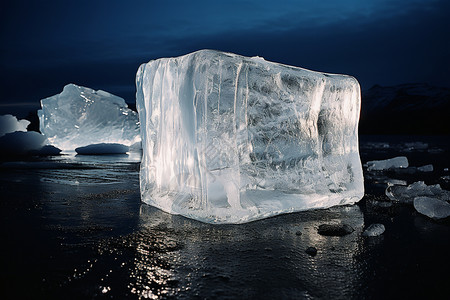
(74, 228)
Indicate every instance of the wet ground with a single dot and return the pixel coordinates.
(74, 228)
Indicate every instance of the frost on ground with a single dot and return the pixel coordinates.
(230, 139)
(80, 116)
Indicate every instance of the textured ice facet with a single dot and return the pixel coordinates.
(231, 139)
(80, 116)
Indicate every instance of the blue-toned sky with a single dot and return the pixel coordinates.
(100, 44)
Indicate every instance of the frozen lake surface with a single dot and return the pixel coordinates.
(73, 227)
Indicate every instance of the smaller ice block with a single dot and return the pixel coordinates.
(80, 116)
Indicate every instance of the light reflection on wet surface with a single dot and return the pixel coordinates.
(94, 239)
(174, 256)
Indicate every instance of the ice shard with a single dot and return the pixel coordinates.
(80, 116)
(231, 139)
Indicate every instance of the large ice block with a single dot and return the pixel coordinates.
(231, 139)
(80, 116)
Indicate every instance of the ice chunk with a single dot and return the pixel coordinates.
(103, 148)
(432, 207)
(374, 230)
(406, 194)
(230, 139)
(80, 116)
(335, 229)
(47, 150)
(426, 168)
(413, 170)
(374, 145)
(9, 123)
(311, 251)
(396, 162)
(21, 143)
(391, 181)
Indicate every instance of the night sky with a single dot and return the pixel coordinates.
(100, 44)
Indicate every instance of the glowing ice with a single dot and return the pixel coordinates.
(80, 116)
(230, 139)
(406, 194)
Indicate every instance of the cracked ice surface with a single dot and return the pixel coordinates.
(231, 139)
(80, 116)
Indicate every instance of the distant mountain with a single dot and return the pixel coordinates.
(406, 109)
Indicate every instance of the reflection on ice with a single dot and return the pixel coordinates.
(80, 116)
(73, 169)
(173, 249)
(171, 256)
